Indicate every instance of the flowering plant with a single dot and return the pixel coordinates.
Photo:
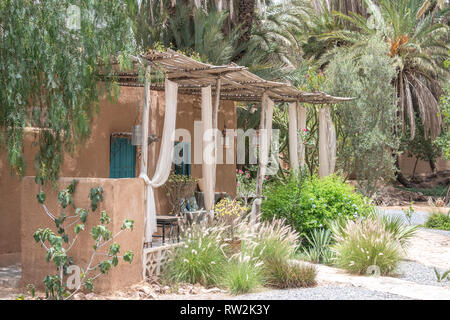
(246, 185)
(228, 211)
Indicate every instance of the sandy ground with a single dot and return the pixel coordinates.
(430, 249)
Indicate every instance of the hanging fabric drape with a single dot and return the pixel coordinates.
(301, 125)
(327, 143)
(164, 164)
(293, 136)
(209, 155)
(265, 137)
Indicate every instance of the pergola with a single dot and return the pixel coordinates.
(176, 73)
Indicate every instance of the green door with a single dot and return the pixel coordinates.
(122, 158)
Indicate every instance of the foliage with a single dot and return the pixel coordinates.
(367, 141)
(179, 189)
(314, 202)
(49, 74)
(418, 41)
(246, 185)
(201, 259)
(289, 274)
(58, 245)
(444, 276)
(443, 142)
(402, 233)
(243, 274)
(274, 243)
(229, 212)
(438, 220)
(437, 191)
(365, 243)
(318, 249)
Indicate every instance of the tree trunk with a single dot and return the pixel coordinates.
(399, 175)
(246, 15)
(432, 165)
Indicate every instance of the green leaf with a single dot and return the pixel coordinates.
(79, 227)
(82, 213)
(127, 224)
(114, 249)
(128, 256)
(41, 197)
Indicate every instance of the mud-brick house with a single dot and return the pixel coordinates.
(195, 97)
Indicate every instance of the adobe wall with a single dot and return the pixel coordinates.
(407, 165)
(123, 199)
(92, 158)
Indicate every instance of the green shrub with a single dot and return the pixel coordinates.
(438, 220)
(201, 259)
(364, 243)
(313, 202)
(284, 274)
(318, 249)
(243, 275)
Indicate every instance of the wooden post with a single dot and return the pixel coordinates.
(293, 137)
(327, 142)
(144, 153)
(261, 163)
(215, 116)
(323, 144)
(145, 121)
(301, 124)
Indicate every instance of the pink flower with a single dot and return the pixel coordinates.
(241, 172)
(304, 129)
(248, 175)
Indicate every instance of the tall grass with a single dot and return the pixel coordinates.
(364, 243)
(243, 274)
(275, 243)
(201, 259)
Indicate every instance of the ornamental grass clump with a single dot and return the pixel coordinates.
(201, 259)
(275, 243)
(366, 243)
(243, 274)
(290, 274)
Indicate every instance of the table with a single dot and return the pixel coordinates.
(170, 222)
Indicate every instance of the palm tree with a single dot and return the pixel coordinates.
(419, 42)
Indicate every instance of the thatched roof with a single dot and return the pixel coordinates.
(237, 83)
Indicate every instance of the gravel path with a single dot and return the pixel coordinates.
(437, 231)
(419, 273)
(329, 292)
(416, 217)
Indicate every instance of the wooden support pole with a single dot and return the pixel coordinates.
(323, 144)
(301, 124)
(293, 137)
(145, 122)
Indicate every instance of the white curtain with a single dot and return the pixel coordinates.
(293, 136)
(327, 143)
(208, 162)
(165, 157)
(301, 124)
(265, 135)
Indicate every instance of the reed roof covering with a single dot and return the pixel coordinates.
(237, 83)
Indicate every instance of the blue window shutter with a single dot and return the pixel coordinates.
(122, 158)
(185, 167)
